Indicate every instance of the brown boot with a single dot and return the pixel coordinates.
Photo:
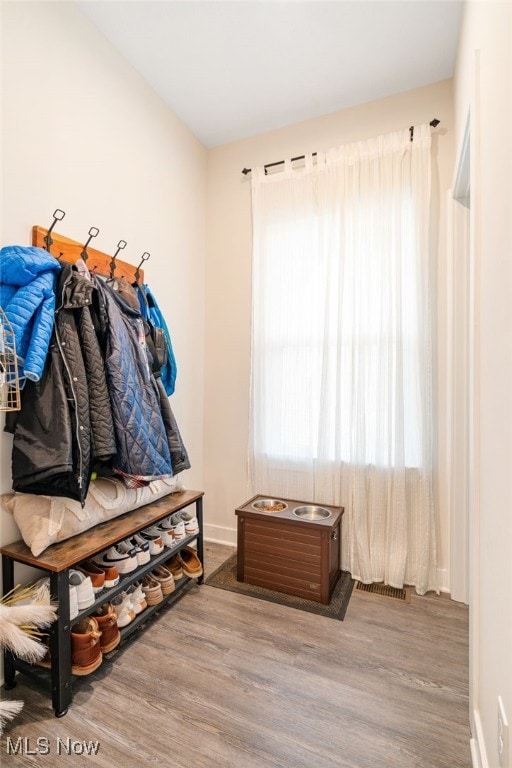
(107, 622)
(85, 646)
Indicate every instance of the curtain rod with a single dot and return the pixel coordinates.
(434, 123)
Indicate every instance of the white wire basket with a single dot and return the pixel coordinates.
(9, 380)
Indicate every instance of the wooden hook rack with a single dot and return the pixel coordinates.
(71, 250)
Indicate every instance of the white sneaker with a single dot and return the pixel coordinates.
(137, 597)
(73, 602)
(141, 551)
(178, 526)
(123, 561)
(123, 608)
(165, 530)
(154, 538)
(84, 590)
(191, 524)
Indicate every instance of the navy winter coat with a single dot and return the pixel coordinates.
(144, 433)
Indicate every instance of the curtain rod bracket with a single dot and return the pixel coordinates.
(433, 123)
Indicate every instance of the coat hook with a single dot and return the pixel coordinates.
(58, 215)
(93, 232)
(145, 257)
(121, 244)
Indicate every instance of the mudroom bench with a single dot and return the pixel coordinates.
(59, 558)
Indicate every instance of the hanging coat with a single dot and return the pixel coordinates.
(27, 296)
(65, 429)
(141, 438)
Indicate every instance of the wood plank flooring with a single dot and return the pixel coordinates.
(227, 681)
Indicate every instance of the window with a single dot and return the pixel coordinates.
(341, 406)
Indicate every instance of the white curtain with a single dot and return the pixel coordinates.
(341, 406)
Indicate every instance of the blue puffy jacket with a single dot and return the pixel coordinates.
(151, 313)
(27, 295)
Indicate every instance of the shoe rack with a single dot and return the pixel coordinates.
(59, 558)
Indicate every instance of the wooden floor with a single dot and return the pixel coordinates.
(227, 681)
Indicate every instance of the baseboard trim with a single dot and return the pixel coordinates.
(475, 757)
(477, 743)
(218, 534)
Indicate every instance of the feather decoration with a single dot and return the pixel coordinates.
(20, 642)
(28, 615)
(8, 710)
(22, 611)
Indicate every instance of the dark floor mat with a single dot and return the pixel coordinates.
(225, 578)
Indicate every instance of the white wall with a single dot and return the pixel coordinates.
(228, 284)
(83, 132)
(483, 83)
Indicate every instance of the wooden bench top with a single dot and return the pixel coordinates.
(67, 553)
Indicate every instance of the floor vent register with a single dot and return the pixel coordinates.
(378, 588)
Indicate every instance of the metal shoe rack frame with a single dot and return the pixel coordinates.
(59, 558)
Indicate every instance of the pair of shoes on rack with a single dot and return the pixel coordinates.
(131, 553)
(128, 604)
(188, 520)
(158, 583)
(120, 556)
(99, 633)
(182, 524)
(187, 563)
(101, 576)
(84, 592)
(135, 545)
(124, 557)
(173, 529)
(153, 537)
(86, 649)
(161, 532)
(92, 637)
